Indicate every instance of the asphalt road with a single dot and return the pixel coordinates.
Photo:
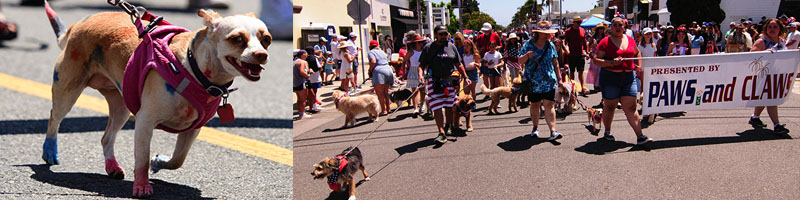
(696, 155)
(211, 171)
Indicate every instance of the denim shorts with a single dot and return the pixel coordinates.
(473, 75)
(618, 84)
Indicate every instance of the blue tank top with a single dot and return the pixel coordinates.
(769, 44)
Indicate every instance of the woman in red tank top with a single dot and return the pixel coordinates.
(617, 79)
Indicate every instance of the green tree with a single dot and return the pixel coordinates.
(523, 14)
(700, 11)
(475, 20)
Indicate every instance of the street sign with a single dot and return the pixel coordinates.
(359, 10)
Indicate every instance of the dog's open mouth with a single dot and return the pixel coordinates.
(250, 71)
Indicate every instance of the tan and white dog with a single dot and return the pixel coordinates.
(94, 54)
(352, 106)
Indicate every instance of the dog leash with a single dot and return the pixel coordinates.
(379, 125)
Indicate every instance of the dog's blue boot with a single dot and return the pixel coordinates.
(50, 151)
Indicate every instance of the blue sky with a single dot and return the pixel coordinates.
(502, 12)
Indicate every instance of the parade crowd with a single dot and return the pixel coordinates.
(438, 68)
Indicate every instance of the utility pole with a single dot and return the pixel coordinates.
(419, 19)
(561, 12)
(460, 16)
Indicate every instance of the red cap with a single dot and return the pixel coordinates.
(373, 43)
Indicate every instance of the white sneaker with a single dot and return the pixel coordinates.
(535, 133)
(554, 135)
(317, 108)
(422, 108)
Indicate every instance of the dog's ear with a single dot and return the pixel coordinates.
(251, 14)
(211, 18)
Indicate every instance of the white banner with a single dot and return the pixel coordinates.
(718, 81)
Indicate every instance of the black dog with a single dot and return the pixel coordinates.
(340, 170)
(398, 96)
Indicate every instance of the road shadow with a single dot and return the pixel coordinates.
(107, 187)
(91, 124)
(29, 45)
(252, 123)
(602, 146)
(359, 122)
(521, 143)
(401, 117)
(151, 8)
(413, 147)
(68, 125)
(338, 195)
(751, 135)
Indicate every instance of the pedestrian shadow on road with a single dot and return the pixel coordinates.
(602, 146)
(522, 143)
(91, 124)
(29, 45)
(751, 135)
(104, 186)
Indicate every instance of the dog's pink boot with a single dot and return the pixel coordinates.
(113, 170)
(141, 183)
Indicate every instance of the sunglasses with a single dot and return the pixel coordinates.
(443, 34)
(616, 25)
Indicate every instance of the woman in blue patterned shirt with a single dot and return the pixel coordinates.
(540, 58)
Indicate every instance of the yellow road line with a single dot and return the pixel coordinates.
(227, 140)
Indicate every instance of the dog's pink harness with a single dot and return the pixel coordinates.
(333, 177)
(153, 53)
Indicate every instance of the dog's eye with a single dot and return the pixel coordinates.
(266, 41)
(236, 39)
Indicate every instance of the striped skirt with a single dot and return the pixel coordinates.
(445, 98)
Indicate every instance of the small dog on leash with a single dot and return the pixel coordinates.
(595, 120)
(565, 96)
(464, 107)
(95, 53)
(340, 171)
(509, 93)
(352, 106)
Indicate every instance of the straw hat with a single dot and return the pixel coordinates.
(417, 39)
(513, 36)
(577, 19)
(600, 25)
(544, 27)
(344, 44)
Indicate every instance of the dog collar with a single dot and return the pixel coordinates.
(214, 90)
(336, 101)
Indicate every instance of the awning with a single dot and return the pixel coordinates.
(405, 21)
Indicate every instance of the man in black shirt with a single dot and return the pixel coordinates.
(439, 60)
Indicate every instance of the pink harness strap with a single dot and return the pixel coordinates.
(153, 53)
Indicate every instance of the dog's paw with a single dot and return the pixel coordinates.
(352, 198)
(113, 169)
(367, 179)
(50, 151)
(142, 190)
(159, 162)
